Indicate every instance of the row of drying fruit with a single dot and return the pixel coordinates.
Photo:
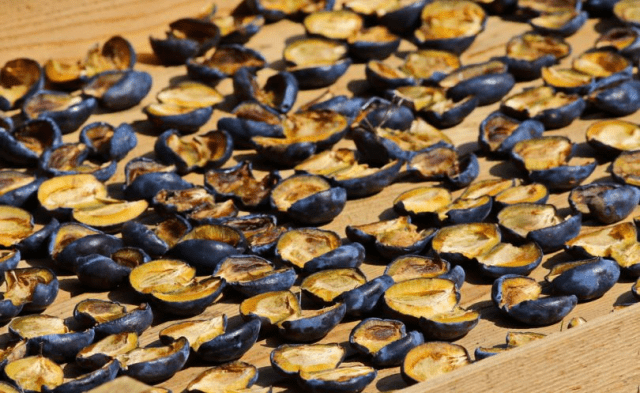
(199, 224)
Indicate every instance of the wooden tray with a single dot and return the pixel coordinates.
(600, 356)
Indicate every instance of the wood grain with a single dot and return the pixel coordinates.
(566, 360)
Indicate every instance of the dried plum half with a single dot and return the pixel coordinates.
(205, 246)
(618, 99)
(384, 341)
(290, 359)
(28, 289)
(240, 184)
(156, 240)
(34, 373)
(62, 194)
(155, 364)
(310, 250)
(488, 81)
(450, 25)
(224, 62)
(563, 23)
(116, 54)
(431, 359)
(587, 279)
(211, 149)
(352, 378)
(108, 318)
(261, 231)
(279, 91)
(391, 238)
(187, 37)
(252, 275)
(606, 202)
(101, 352)
(68, 111)
(627, 12)
(235, 376)
(505, 258)
(303, 134)
(540, 223)
(447, 164)
(326, 285)
(308, 199)
(519, 298)
(528, 53)
(109, 142)
(430, 65)
(463, 243)
(548, 160)
(499, 132)
(19, 79)
(553, 109)
(172, 287)
(342, 169)
(119, 90)
(311, 325)
(237, 26)
(410, 300)
(16, 224)
(271, 308)
(26, 143)
(316, 62)
(618, 242)
(624, 39)
(382, 144)
(335, 25)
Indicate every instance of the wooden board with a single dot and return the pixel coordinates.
(602, 350)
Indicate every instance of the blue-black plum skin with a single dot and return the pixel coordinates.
(88, 381)
(283, 84)
(319, 208)
(157, 370)
(612, 203)
(352, 385)
(313, 328)
(563, 177)
(121, 143)
(102, 244)
(100, 272)
(381, 82)
(146, 186)
(588, 281)
(242, 130)
(346, 256)
(453, 116)
(364, 299)
(186, 123)
(16, 152)
(60, 347)
(127, 92)
(488, 88)
(393, 354)
(539, 312)
(527, 129)
(204, 255)
(230, 345)
(316, 77)
(569, 28)
(70, 119)
(619, 100)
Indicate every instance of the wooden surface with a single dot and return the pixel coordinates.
(600, 356)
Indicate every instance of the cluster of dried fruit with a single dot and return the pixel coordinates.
(180, 257)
